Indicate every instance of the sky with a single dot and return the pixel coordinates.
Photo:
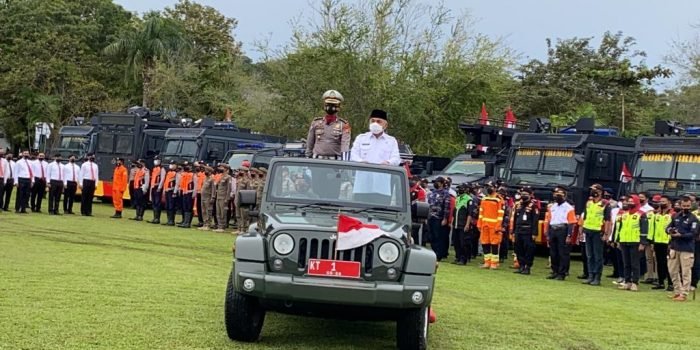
(523, 24)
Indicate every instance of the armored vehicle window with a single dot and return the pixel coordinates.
(688, 167)
(655, 166)
(105, 143)
(171, 147)
(527, 159)
(556, 160)
(466, 167)
(345, 185)
(124, 144)
(189, 148)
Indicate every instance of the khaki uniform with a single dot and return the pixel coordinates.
(328, 140)
(244, 183)
(207, 196)
(222, 194)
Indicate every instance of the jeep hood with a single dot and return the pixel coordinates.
(325, 221)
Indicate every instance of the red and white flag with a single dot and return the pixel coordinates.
(352, 233)
(625, 174)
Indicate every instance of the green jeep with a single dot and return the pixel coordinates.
(287, 261)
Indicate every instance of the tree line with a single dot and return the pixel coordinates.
(425, 64)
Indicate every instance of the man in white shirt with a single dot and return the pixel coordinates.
(39, 188)
(24, 180)
(54, 174)
(6, 191)
(375, 147)
(89, 176)
(4, 175)
(71, 179)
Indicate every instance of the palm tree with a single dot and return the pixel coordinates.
(156, 38)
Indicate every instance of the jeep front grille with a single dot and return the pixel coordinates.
(315, 248)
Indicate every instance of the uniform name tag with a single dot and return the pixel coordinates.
(524, 217)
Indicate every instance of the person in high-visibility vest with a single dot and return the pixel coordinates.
(658, 221)
(631, 228)
(560, 222)
(186, 191)
(141, 182)
(595, 225)
(119, 182)
(490, 224)
(170, 185)
(157, 181)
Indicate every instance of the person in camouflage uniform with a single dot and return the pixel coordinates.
(222, 194)
(329, 136)
(244, 182)
(207, 197)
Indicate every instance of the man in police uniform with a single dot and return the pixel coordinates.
(329, 136)
(524, 227)
(243, 182)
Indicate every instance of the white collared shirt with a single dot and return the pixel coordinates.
(646, 208)
(5, 167)
(39, 168)
(23, 169)
(89, 171)
(71, 172)
(561, 214)
(375, 150)
(54, 172)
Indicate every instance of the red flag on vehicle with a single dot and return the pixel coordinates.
(484, 119)
(352, 233)
(625, 174)
(510, 118)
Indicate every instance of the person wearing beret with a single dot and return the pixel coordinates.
(119, 186)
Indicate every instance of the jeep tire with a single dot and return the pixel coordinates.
(412, 330)
(243, 315)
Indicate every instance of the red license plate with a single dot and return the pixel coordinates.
(334, 268)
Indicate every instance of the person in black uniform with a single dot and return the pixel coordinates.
(525, 218)
(460, 225)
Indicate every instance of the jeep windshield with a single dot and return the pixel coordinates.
(542, 167)
(466, 167)
(77, 145)
(345, 185)
(179, 150)
(667, 173)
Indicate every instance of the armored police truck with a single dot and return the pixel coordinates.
(256, 153)
(297, 260)
(668, 163)
(575, 158)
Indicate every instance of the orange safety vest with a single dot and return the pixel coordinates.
(139, 178)
(200, 181)
(186, 183)
(170, 180)
(119, 181)
(155, 177)
(490, 213)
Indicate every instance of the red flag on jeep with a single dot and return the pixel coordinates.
(625, 174)
(352, 233)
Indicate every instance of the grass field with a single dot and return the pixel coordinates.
(83, 283)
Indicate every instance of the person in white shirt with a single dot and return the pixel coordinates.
(71, 179)
(54, 174)
(89, 176)
(39, 188)
(375, 147)
(4, 175)
(24, 180)
(6, 191)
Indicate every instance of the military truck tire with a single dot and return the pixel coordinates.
(412, 330)
(243, 315)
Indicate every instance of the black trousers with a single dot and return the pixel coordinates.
(525, 249)
(55, 190)
(199, 208)
(87, 196)
(475, 234)
(24, 189)
(187, 203)
(462, 244)
(7, 193)
(132, 202)
(38, 193)
(439, 237)
(170, 202)
(559, 251)
(630, 259)
(69, 196)
(661, 253)
(156, 198)
(2, 192)
(139, 200)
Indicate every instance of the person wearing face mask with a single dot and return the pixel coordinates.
(89, 173)
(5, 174)
(140, 189)
(376, 146)
(490, 224)
(199, 178)
(54, 175)
(523, 224)
(243, 182)
(631, 229)
(24, 180)
(439, 201)
(659, 219)
(206, 195)
(595, 222)
(460, 225)
(71, 179)
(651, 275)
(186, 191)
(119, 184)
(39, 165)
(329, 136)
(157, 181)
(9, 181)
(683, 230)
(559, 228)
(170, 184)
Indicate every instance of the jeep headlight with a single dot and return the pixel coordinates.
(283, 244)
(388, 252)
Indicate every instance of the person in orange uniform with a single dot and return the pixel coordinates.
(199, 177)
(490, 224)
(186, 191)
(157, 181)
(560, 222)
(119, 186)
(169, 192)
(141, 183)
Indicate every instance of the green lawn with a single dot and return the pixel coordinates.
(83, 283)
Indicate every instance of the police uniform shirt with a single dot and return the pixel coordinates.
(328, 139)
(23, 170)
(54, 172)
(375, 150)
(71, 172)
(89, 171)
(39, 168)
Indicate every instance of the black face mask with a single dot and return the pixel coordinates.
(595, 194)
(607, 196)
(92, 159)
(25, 157)
(331, 109)
(686, 211)
(411, 184)
(525, 198)
(559, 199)
(626, 207)
(72, 160)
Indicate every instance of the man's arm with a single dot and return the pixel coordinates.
(162, 180)
(395, 157)
(310, 140)
(146, 181)
(355, 152)
(345, 141)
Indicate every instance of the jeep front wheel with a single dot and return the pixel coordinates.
(243, 315)
(412, 330)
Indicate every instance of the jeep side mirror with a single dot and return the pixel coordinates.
(247, 197)
(420, 210)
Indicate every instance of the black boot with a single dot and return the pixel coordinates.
(519, 270)
(596, 280)
(117, 215)
(156, 217)
(171, 219)
(186, 222)
(589, 280)
(526, 270)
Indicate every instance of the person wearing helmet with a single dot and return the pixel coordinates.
(329, 136)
